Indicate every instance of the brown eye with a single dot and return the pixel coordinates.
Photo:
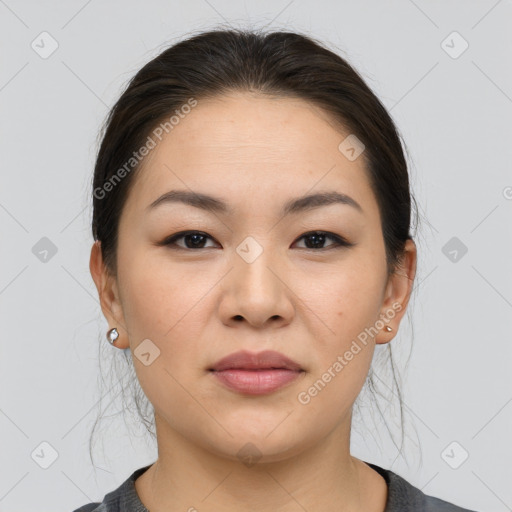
(192, 240)
(316, 240)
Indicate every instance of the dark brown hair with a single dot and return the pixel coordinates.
(284, 64)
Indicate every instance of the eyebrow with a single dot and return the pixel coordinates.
(216, 205)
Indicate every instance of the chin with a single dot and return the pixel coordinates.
(251, 446)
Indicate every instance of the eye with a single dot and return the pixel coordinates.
(193, 240)
(317, 239)
(197, 240)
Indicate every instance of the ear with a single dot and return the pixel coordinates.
(108, 292)
(397, 293)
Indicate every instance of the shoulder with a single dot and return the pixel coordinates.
(121, 499)
(404, 497)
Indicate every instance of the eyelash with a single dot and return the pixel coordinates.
(339, 241)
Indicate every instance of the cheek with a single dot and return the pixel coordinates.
(164, 306)
(349, 306)
(351, 299)
(159, 298)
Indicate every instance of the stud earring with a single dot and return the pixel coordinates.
(112, 335)
(389, 329)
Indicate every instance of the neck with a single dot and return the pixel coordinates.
(189, 476)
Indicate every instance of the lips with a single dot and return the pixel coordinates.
(266, 360)
(256, 374)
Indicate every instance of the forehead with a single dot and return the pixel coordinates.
(250, 148)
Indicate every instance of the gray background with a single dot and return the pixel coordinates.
(454, 113)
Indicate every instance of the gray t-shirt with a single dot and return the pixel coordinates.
(402, 497)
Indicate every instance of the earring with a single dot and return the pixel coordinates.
(389, 329)
(112, 335)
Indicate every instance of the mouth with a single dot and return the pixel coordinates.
(256, 374)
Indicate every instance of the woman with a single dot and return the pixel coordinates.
(252, 247)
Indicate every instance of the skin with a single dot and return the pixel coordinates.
(198, 305)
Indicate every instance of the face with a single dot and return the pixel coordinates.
(251, 276)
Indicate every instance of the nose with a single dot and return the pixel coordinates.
(257, 293)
